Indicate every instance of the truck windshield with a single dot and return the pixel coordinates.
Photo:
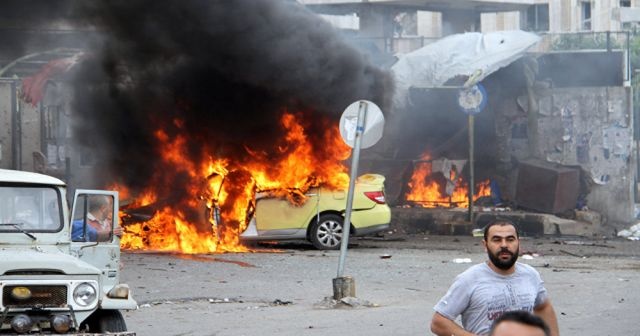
(30, 208)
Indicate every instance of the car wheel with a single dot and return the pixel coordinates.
(103, 321)
(326, 233)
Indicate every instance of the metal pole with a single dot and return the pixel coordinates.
(344, 242)
(471, 172)
(628, 70)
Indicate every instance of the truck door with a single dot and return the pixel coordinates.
(93, 239)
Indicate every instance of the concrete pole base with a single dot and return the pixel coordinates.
(344, 287)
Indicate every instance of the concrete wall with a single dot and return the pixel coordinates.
(596, 134)
(28, 128)
(6, 161)
(588, 127)
(500, 21)
(429, 24)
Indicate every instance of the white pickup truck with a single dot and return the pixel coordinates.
(59, 274)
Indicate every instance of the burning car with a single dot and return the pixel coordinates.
(217, 202)
(320, 218)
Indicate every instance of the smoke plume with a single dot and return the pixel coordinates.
(225, 69)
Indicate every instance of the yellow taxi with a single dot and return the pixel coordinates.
(320, 219)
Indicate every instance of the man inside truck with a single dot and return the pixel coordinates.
(98, 221)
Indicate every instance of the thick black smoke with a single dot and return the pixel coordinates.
(25, 24)
(227, 69)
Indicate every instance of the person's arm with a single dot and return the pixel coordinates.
(442, 326)
(103, 235)
(118, 231)
(546, 312)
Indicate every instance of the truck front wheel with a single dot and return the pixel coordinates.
(106, 321)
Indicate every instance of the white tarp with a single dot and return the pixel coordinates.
(478, 54)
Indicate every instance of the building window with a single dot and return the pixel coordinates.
(585, 11)
(537, 18)
(626, 25)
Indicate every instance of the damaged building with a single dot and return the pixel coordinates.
(553, 139)
(556, 136)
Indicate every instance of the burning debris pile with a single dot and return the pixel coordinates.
(199, 104)
(440, 183)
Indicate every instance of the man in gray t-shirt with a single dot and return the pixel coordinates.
(485, 291)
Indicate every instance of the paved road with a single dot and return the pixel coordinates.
(280, 289)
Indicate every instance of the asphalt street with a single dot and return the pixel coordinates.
(281, 289)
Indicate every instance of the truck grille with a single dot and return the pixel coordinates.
(41, 296)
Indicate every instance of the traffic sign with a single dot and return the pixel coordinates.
(373, 123)
(472, 100)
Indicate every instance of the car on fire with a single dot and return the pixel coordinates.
(320, 219)
(49, 282)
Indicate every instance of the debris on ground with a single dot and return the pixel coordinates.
(278, 302)
(581, 243)
(573, 254)
(225, 300)
(633, 233)
(461, 260)
(346, 302)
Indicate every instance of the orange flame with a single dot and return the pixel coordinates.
(218, 197)
(428, 191)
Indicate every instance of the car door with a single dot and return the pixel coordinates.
(281, 217)
(105, 252)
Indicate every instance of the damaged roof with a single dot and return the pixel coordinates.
(460, 55)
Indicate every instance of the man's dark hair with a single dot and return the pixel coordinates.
(523, 317)
(96, 202)
(499, 221)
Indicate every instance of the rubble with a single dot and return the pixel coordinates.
(346, 302)
(633, 233)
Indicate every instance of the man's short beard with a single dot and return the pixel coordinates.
(503, 265)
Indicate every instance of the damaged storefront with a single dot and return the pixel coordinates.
(554, 146)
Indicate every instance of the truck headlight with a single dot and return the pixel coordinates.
(84, 294)
(60, 323)
(22, 323)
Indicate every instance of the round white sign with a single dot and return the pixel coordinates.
(373, 124)
(472, 100)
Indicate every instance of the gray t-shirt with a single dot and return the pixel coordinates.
(481, 295)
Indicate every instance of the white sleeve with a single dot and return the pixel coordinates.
(456, 300)
(542, 295)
